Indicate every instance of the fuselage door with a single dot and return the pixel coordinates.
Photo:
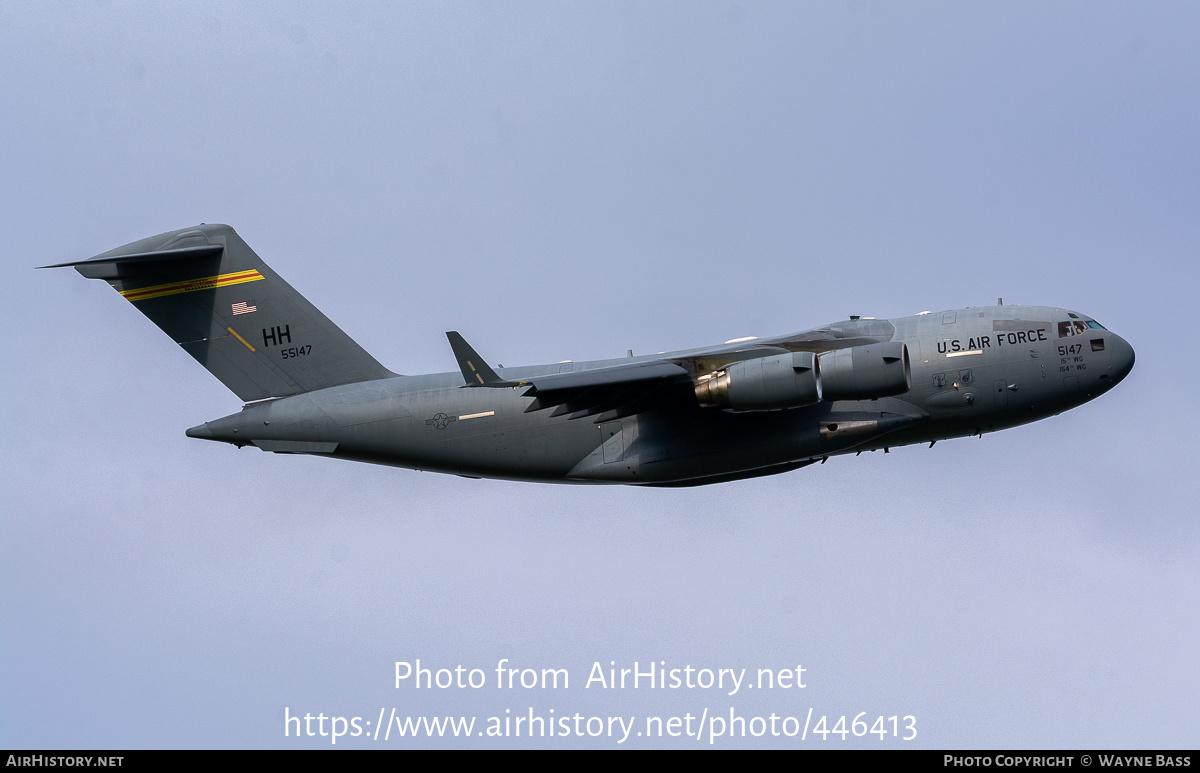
(1000, 392)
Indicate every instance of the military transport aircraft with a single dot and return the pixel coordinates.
(745, 408)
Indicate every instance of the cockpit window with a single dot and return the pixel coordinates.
(1093, 324)
(1071, 328)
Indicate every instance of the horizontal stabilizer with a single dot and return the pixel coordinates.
(110, 267)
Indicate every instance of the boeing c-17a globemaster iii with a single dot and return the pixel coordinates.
(745, 408)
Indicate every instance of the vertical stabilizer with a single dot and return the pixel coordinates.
(218, 300)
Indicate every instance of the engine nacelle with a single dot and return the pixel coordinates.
(763, 384)
(865, 372)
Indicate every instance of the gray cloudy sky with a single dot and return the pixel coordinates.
(569, 181)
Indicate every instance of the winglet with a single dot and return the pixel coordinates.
(475, 371)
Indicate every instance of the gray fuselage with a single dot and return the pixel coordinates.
(973, 370)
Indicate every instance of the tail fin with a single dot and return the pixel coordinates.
(216, 298)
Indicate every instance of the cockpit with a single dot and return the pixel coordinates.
(1077, 326)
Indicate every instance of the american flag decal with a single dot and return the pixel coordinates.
(244, 307)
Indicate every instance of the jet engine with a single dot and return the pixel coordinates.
(865, 372)
(762, 384)
(797, 379)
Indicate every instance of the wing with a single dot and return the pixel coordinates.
(668, 380)
(612, 392)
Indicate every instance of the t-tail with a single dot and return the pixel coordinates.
(218, 300)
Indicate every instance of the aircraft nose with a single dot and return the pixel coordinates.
(1121, 356)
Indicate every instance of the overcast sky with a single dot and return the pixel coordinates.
(568, 181)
